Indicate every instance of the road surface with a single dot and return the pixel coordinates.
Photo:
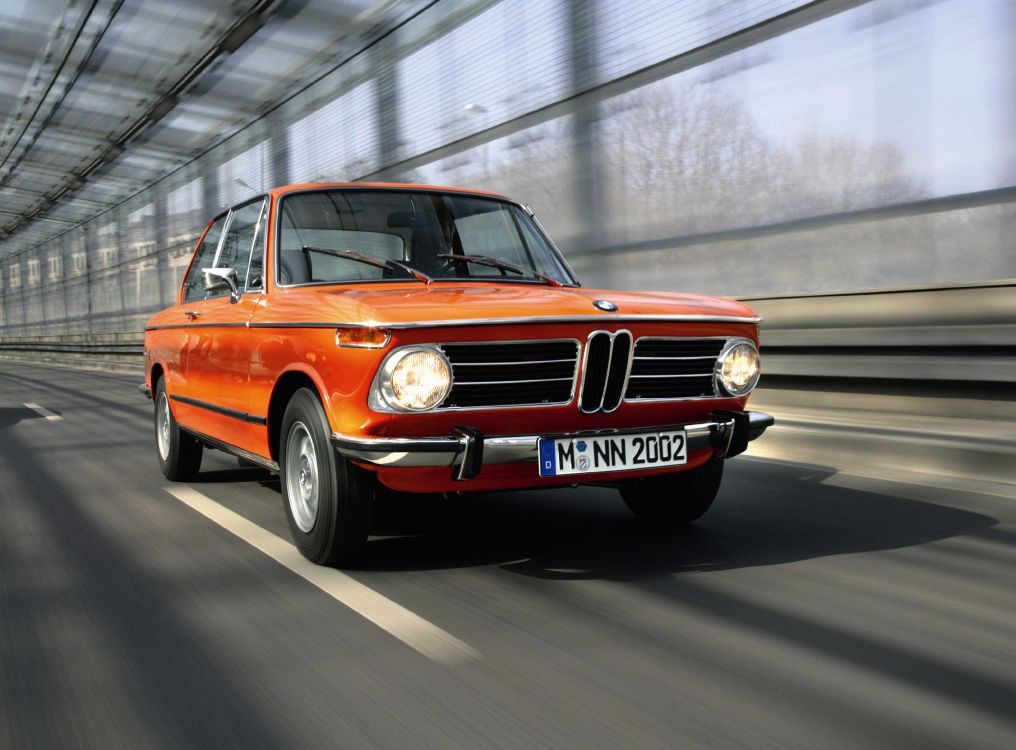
(810, 607)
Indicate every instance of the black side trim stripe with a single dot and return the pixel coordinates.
(221, 410)
(232, 449)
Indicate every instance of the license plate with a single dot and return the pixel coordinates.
(600, 453)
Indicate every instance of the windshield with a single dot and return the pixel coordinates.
(414, 228)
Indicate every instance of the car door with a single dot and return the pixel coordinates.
(213, 400)
(175, 324)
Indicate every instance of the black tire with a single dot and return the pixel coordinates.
(180, 454)
(336, 528)
(674, 499)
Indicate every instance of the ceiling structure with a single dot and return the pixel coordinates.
(101, 98)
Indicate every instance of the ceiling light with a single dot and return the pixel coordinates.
(162, 108)
(240, 34)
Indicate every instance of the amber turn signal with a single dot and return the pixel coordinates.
(363, 338)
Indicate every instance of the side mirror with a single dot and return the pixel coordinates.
(218, 279)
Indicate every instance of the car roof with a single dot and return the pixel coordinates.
(383, 185)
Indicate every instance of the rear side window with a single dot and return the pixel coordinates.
(194, 284)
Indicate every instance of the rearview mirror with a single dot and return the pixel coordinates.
(219, 279)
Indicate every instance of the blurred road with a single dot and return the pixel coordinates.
(810, 608)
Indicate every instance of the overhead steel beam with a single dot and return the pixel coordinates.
(368, 21)
(239, 32)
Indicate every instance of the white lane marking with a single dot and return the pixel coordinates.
(408, 627)
(50, 416)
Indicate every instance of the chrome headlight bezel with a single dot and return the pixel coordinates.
(382, 394)
(721, 386)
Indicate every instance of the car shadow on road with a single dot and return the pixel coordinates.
(10, 416)
(766, 514)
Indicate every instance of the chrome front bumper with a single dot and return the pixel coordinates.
(467, 450)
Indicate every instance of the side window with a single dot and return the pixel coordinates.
(236, 247)
(194, 284)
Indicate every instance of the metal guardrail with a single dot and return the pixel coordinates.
(955, 334)
(114, 351)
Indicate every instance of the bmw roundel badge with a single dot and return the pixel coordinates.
(605, 305)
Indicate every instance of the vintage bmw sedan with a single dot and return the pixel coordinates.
(433, 340)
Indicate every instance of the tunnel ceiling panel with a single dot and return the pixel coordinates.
(98, 100)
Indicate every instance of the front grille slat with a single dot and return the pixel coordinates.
(501, 373)
(620, 361)
(594, 371)
(614, 369)
(515, 352)
(511, 373)
(657, 359)
(512, 382)
(673, 368)
(517, 364)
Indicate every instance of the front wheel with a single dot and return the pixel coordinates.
(179, 454)
(674, 499)
(327, 499)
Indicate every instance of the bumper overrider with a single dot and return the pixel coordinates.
(467, 450)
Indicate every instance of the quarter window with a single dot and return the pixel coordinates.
(194, 284)
(243, 230)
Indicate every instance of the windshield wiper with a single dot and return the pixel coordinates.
(501, 265)
(370, 261)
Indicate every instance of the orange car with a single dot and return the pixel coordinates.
(434, 340)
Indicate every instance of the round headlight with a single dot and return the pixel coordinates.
(737, 368)
(416, 379)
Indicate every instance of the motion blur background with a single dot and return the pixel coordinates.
(847, 167)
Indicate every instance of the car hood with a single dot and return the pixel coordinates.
(450, 304)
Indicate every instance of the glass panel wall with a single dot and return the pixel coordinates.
(753, 149)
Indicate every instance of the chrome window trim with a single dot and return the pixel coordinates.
(716, 389)
(276, 280)
(225, 216)
(222, 237)
(228, 214)
(262, 227)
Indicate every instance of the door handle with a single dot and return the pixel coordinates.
(193, 314)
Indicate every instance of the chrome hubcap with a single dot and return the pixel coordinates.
(162, 420)
(302, 477)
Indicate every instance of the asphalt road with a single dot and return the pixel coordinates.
(810, 608)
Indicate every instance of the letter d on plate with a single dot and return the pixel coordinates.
(548, 461)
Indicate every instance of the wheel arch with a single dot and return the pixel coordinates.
(155, 373)
(285, 386)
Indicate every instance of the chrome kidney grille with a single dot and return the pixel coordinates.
(673, 368)
(511, 373)
(615, 369)
(604, 371)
